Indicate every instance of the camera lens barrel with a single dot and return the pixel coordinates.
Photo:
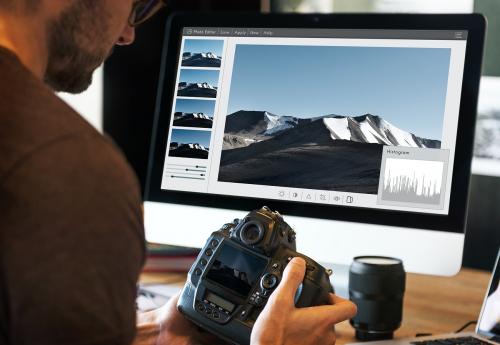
(376, 286)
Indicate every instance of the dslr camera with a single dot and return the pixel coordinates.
(238, 269)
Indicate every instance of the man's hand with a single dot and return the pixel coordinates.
(281, 323)
(168, 326)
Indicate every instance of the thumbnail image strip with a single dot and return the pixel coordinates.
(188, 143)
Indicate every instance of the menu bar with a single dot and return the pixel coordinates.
(327, 33)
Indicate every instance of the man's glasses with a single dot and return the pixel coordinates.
(142, 10)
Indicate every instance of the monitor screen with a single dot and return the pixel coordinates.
(354, 118)
(358, 128)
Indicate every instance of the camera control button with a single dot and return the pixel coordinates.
(200, 307)
(259, 301)
(197, 271)
(203, 262)
(214, 243)
(266, 293)
(209, 252)
(208, 311)
(269, 281)
(216, 315)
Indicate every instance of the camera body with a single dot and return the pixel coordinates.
(237, 270)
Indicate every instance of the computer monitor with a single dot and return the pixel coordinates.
(357, 128)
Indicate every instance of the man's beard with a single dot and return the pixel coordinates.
(76, 46)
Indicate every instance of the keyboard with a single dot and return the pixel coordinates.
(452, 341)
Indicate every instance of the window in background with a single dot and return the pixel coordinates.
(407, 6)
(487, 148)
(89, 103)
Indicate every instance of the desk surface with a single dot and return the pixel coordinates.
(431, 304)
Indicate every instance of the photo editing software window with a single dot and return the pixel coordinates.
(359, 118)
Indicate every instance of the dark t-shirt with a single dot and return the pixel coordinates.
(71, 230)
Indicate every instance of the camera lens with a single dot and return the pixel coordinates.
(251, 232)
(376, 285)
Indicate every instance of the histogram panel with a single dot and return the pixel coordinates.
(413, 181)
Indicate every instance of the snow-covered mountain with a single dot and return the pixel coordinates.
(182, 115)
(246, 127)
(276, 123)
(210, 55)
(184, 85)
(375, 130)
(194, 146)
(207, 59)
(199, 120)
(196, 90)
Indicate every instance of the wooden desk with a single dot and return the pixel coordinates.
(431, 304)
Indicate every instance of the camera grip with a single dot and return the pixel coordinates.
(310, 294)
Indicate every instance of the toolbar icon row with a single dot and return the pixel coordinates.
(319, 197)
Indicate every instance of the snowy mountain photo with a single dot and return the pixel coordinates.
(192, 120)
(198, 83)
(194, 113)
(202, 53)
(191, 150)
(248, 127)
(201, 59)
(189, 143)
(196, 90)
(318, 117)
(330, 152)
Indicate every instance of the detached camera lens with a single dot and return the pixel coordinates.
(252, 232)
(377, 285)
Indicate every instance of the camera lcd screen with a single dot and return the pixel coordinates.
(219, 301)
(236, 270)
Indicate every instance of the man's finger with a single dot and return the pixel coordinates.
(341, 310)
(334, 299)
(292, 278)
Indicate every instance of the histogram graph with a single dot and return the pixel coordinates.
(413, 181)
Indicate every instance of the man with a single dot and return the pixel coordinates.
(71, 231)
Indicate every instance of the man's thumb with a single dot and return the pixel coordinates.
(293, 276)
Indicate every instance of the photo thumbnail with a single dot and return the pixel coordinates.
(318, 117)
(198, 83)
(202, 53)
(194, 113)
(189, 143)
